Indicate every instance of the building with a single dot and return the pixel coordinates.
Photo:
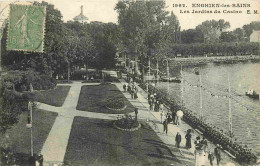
(255, 36)
(81, 18)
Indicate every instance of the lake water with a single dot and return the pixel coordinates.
(215, 104)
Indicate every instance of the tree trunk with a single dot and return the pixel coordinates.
(68, 71)
(142, 65)
(86, 70)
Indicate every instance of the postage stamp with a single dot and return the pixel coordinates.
(26, 28)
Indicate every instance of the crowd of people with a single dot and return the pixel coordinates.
(217, 136)
(132, 89)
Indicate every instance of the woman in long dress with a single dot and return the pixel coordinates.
(188, 140)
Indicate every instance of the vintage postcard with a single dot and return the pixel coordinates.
(129, 82)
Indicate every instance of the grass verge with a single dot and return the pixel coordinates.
(93, 99)
(96, 142)
(54, 97)
(19, 135)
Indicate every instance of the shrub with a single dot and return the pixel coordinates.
(22, 79)
(127, 122)
(13, 102)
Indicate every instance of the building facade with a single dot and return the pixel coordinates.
(255, 36)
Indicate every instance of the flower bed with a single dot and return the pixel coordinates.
(127, 124)
(242, 154)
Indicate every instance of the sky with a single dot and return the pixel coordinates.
(103, 10)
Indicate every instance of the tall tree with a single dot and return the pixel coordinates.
(239, 34)
(70, 47)
(192, 36)
(248, 28)
(212, 29)
(143, 26)
(105, 40)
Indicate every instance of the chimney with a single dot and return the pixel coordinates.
(81, 7)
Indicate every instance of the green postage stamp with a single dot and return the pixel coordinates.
(26, 28)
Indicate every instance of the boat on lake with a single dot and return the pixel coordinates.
(170, 79)
(252, 94)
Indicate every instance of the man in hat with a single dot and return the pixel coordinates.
(40, 159)
(136, 112)
(217, 154)
(178, 139)
(211, 158)
(124, 87)
(165, 126)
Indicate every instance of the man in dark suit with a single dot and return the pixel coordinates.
(165, 126)
(178, 139)
(136, 112)
(217, 154)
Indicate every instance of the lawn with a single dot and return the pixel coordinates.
(93, 98)
(96, 142)
(19, 135)
(54, 97)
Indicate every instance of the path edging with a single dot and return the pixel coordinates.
(133, 129)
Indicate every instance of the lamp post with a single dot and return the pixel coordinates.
(148, 75)
(201, 113)
(168, 75)
(30, 120)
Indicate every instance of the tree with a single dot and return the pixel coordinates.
(143, 29)
(192, 36)
(212, 29)
(239, 34)
(105, 40)
(227, 37)
(248, 28)
(85, 49)
(70, 47)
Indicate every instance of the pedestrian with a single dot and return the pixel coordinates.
(152, 98)
(188, 139)
(173, 117)
(179, 115)
(211, 158)
(161, 117)
(197, 143)
(132, 93)
(156, 106)
(155, 95)
(40, 160)
(161, 107)
(204, 144)
(151, 105)
(129, 88)
(165, 126)
(178, 140)
(136, 112)
(168, 117)
(124, 87)
(217, 154)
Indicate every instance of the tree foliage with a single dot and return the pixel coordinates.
(141, 24)
(212, 29)
(248, 28)
(192, 36)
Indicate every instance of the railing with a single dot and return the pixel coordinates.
(242, 155)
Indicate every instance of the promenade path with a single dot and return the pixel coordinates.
(55, 146)
(173, 129)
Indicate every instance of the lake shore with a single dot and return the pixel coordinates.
(214, 59)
